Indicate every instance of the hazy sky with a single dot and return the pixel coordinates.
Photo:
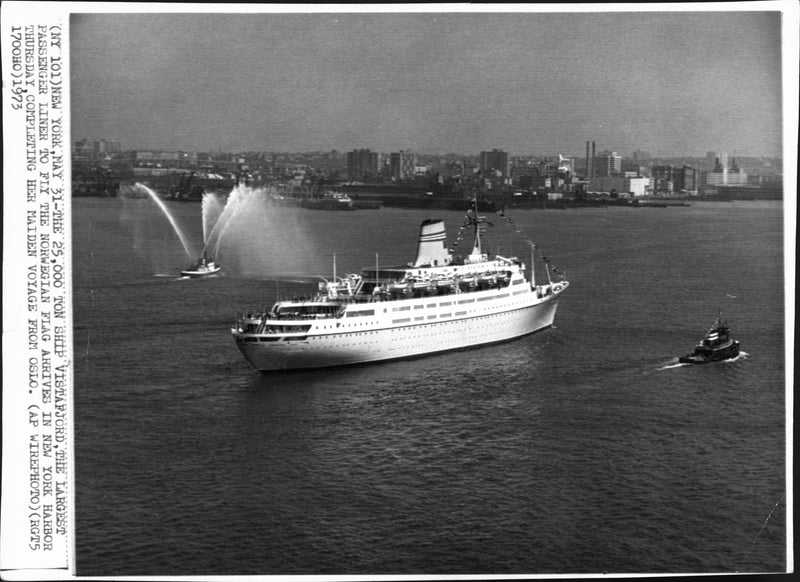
(669, 83)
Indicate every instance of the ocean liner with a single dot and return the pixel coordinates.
(439, 302)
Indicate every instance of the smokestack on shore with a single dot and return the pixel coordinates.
(587, 159)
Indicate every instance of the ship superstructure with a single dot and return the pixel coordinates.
(438, 302)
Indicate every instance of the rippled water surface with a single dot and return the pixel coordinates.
(581, 449)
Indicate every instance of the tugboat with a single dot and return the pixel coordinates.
(715, 347)
(202, 268)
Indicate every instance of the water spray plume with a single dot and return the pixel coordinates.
(212, 209)
(240, 195)
(189, 252)
(257, 237)
(224, 218)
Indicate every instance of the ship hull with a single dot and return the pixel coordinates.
(196, 274)
(397, 342)
(708, 356)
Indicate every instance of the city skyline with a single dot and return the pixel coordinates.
(677, 83)
(644, 155)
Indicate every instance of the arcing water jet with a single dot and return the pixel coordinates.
(212, 210)
(189, 251)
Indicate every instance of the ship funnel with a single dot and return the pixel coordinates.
(431, 249)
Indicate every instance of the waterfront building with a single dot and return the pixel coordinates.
(671, 179)
(362, 163)
(402, 165)
(618, 185)
(632, 169)
(607, 164)
(690, 180)
(518, 172)
(556, 166)
(494, 160)
(723, 175)
(724, 179)
(162, 157)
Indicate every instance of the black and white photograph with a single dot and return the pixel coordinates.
(434, 290)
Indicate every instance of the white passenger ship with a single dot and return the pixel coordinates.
(437, 303)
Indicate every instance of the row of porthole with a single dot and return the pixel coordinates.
(393, 331)
(428, 324)
(515, 304)
(446, 303)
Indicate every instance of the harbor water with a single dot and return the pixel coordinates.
(581, 449)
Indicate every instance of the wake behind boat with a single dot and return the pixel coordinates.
(717, 345)
(202, 268)
(437, 303)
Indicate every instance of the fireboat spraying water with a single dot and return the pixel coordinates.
(205, 266)
(212, 209)
(217, 218)
(224, 219)
(202, 268)
(213, 219)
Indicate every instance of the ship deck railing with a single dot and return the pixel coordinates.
(255, 323)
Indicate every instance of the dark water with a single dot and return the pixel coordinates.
(582, 449)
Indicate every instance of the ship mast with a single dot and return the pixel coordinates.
(477, 247)
(547, 270)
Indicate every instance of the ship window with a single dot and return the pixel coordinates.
(466, 301)
(292, 328)
(403, 308)
(445, 303)
(419, 307)
(404, 320)
(361, 313)
(461, 313)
